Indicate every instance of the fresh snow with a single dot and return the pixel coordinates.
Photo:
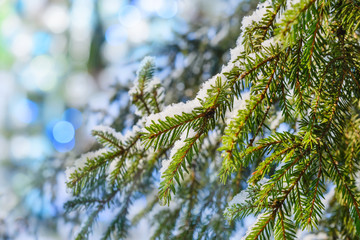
(281, 164)
(189, 106)
(133, 90)
(112, 167)
(172, 110)
(107, 129)
(253, 225)
(256, 16)
(80, 162)
(240, 198)
(263, 181)
(239, 104)
(133, 131)
(144, 62)
(268, 43)
(291, 2)
(152, 84)
(236, 51)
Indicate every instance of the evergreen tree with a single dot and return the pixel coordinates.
(222, 156)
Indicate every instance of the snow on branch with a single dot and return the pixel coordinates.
(81, 162)
(191, 105)
(256, 16)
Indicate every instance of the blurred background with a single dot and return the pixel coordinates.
(66, 66)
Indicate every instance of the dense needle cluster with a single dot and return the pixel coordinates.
(296, 64)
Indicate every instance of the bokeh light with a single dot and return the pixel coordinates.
(110, 7)
(78, 88)
(22, 45)
(4, 148)
(42, 43)
(129, 16)
(56, 18)
(139, 33)
(40, 74)
(163, 8)
(161, 30)
(63, 132)
(167, 9)
(30, 8)
(149, 6)
(20, 147)
(73, 116)
(116, 34)
(64, 147)
(23, 112)
(40, 148)
(25, 147)
(39, 203)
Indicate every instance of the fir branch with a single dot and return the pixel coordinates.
(288, 190)
(299, 202)
(264, 166)
(260, 124)
(159, 133)
(155, 100)
(228, 166)
(242, 75)
(240, 211)
(316, 31)
(108, 139)
(264, 228)
(258, 230)
(341, 181)
(256, 34)
(297, 71)
(86, 228)
(91, 168)
(120, 224)
(271, 20)
(279, 176)
(282, 224)
(288, 24)
(354, 78)
(262, 120)
(315, 194)
(335, 105)
(141, 98)
(173, 171)
(116, 174)
(261, 97)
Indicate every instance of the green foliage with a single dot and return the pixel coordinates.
(300, 61)
(147, 95)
